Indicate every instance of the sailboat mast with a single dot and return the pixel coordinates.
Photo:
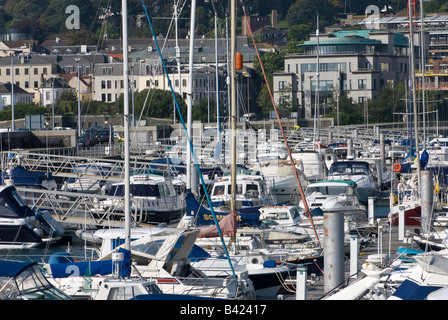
(233, 103)
(414, 99)
(127, 188)
(316, 109)
(189, 168)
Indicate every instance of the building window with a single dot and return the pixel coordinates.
(36, 84)
(36, 71)
(184, 82)
(148, 83)
(281, 85)
(26, 71)
(362, 83)
(45, 71)
(17, 71)
(385, 66)
(8, 72)
(156, 83)
(103, 84)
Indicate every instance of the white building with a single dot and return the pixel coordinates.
(20, 95)
(108, 81)
(52, 89)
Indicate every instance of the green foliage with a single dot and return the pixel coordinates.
(390, 100)
(155, 103)
(272, 62)
(349, 112)
(305, 12)
(20, 110)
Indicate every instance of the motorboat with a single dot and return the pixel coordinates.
(281, 179)
(20, 226)
(313, 164)
(252, 191)
(23, 177)
(335, 196)
(358, 172)
(153, 199)
(25, 281)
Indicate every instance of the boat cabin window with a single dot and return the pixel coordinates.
(250, 187)
(283, 215)
(6, 210)
(326, 190)
(219, 190)
(239, 189)
(295, 213)
(349, 168)
(164, 190)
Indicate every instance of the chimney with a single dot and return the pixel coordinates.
(274, 19)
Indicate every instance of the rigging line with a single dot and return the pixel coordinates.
(192, 150)
(307, 211)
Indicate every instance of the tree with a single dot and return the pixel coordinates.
(390, 100)
(306, 12)
(156, 103)
(272, 62)
(349, 112)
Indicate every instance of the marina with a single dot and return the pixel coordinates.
(378, 238)
(244, 210)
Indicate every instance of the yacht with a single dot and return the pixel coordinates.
(252, 191)
(358, 172)
(154, 199)
(335, 197)
(20, 226)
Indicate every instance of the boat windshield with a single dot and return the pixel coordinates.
(30, 284)
(326, 190)
(348, 168)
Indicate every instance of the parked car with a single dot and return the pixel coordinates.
(90, 139)
(101, 134)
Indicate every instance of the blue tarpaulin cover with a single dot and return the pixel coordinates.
(13, 268)
(410, 290)
(92, 268)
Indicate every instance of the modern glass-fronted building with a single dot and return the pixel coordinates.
(359, 62)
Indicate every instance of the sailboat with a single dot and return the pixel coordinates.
(409, 202)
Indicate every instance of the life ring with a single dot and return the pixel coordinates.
(397, 167)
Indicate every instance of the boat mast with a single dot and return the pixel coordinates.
(190, 94)
(233, 105)
(127, 187)
(218, 126)
(317, 109)
(414, 100)
(422, 56)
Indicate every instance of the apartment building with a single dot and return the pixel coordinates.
(28, 72)
(357, 62)
(108, 81)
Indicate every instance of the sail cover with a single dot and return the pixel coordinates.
(92, 268)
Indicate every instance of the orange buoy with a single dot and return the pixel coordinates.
(397, 167)
(239, 61)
